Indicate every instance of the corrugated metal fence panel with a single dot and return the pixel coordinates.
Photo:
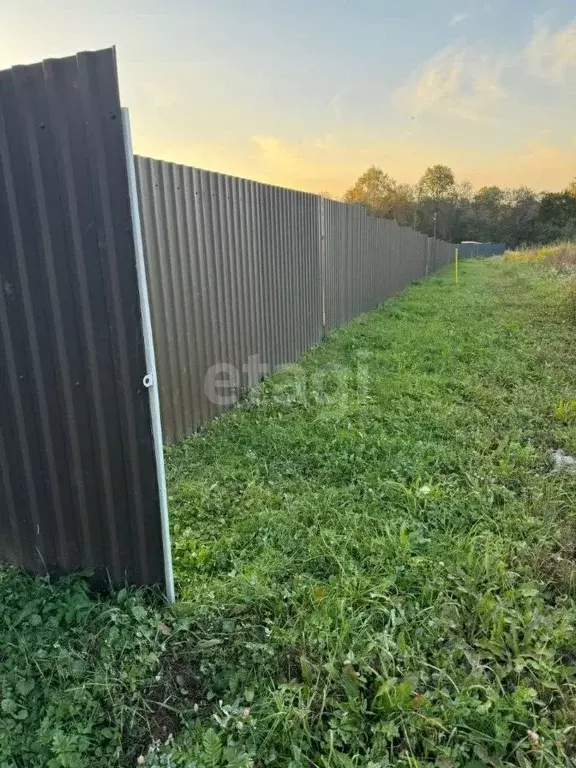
(234, 276)
(449, 252)
(343, 225)
(369, 259)
(77, 472)
(440, 254)
(477, 250)
(237, 271)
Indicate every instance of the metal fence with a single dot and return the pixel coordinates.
(440, 254)
(245, 277)
(234, 276)
(477, 250)
(78, 485)
(367, 259)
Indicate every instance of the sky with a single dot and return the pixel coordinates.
(309, 93)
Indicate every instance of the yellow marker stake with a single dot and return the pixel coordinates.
(456, 264)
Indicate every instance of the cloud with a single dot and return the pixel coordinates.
(458, 18)
(551, 55)
(335, 106)
(542, 157)
(326, 143)
(277, 151)
(536, 164)
(334, 162)
(457, 81)
(312, 164)
(439, 80)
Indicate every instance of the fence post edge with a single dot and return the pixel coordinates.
(151, 375)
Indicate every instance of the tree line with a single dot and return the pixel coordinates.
(439, 205)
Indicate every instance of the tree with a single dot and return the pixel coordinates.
(438, 183)
(558, 207)
(373, 189)
(438, 204)
(460, 213)
(557, 217)
(402, 205)
(382, 196)
(465, 192)
(490, 200)
(488, 209)
(436, 191)
(520, 216)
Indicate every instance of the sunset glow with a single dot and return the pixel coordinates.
(308, 95)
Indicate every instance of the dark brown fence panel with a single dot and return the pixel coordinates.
(78, 484)
(366, 259)
(242, 271)
(235, 287)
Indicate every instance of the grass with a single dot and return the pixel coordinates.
(560, 256)
(376, 565)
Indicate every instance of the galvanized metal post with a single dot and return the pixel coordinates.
(323, 270)
(149, 378)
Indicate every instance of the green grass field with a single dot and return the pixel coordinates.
(376, 564)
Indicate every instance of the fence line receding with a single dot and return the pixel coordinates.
(471, 250)
(234, 276)
(245, 277)
(242, 278)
